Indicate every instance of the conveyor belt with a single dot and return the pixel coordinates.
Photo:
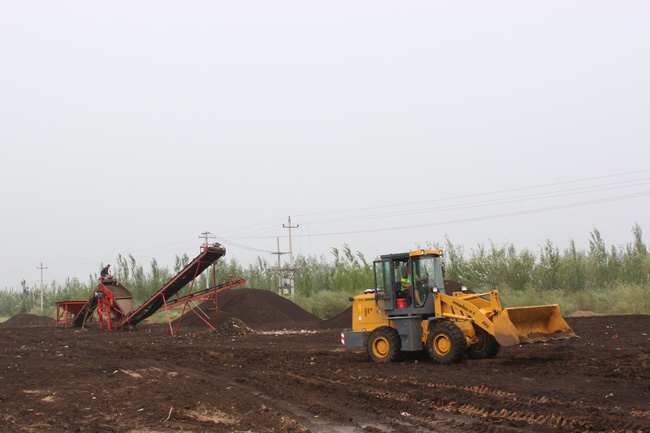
(200, 293)
(86, 311)
(209, 255)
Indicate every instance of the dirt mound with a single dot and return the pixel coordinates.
(227, 324)
(454, 286)
(255, 308)
(340, 321)
(622, 329)
(233, 327)
(585, 314)
(23, 320)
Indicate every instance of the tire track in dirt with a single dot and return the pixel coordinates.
(497, 406)
(514, 409)
(390, 408)
(304, 381)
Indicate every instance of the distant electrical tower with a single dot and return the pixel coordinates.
(292, 270)
(41, 268)
(278, 270)
(207, 235)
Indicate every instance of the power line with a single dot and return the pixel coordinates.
(230, 242)
(490, 217)
(478, 194)
(258, 233)
(460, 206)
(258, 230)
(273, 221)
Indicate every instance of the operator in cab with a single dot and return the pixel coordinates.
(406, 284)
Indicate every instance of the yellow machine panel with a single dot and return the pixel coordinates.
(366, 316)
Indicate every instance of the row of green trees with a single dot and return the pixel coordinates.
(572, 270)
(612, 280)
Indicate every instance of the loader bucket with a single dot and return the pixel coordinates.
(531, 325)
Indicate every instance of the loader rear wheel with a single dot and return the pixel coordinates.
(384, 345)
(446, 343)
(487, 346)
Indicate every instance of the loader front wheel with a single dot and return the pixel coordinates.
(487, 346)
(384, 345)
(446, 343)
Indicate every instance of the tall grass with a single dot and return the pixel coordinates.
(610, 280)
(617, 299)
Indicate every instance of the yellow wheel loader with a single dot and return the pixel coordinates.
(409, 310)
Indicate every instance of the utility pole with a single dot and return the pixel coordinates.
(278, 270)
(207, 235)
(41, 268)
(291, 268)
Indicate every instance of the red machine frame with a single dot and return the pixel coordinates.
(204, 295)
(65, 308)
(114, 305)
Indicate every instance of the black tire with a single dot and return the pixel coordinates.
(446, 343)
(384, 345)
(487, 346)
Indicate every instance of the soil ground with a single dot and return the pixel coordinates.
(295, 376)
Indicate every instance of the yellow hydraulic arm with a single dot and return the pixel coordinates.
(510, 326)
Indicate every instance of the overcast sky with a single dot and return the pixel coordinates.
(134, 126)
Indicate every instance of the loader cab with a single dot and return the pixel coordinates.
(405, 283)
